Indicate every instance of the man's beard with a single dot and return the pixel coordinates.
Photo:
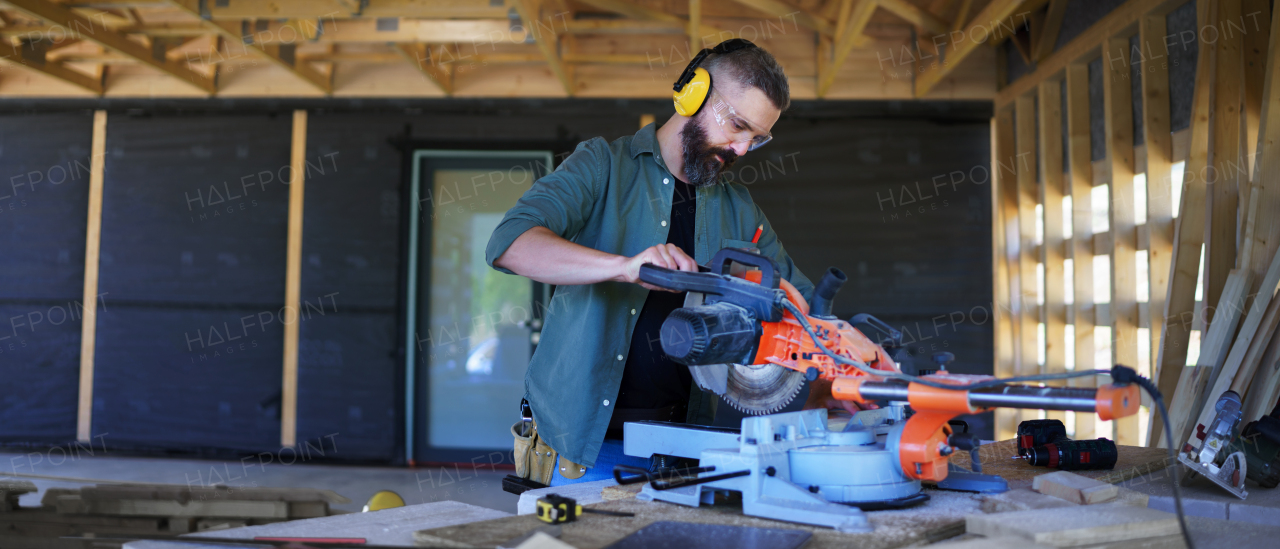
(700, 165)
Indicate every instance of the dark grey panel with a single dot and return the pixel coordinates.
(189, 379)
(1183, 51)
(1017, 67)
(347, 384)
(44, 197)
(1097, 111)
(1082, 14)
(351, 240)
(40, 368)
(195, 209)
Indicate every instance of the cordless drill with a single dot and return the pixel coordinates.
(1044, 443)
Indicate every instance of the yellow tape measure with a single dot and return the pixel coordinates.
(557, 509)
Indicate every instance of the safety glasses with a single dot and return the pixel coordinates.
(735, 126)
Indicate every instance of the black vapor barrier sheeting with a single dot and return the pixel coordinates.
(189, 341)
(44, 190)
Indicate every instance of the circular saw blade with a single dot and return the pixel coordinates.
(761, 388)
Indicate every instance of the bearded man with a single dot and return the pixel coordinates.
(656, 197)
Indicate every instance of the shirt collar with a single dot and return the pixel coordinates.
(645, 141)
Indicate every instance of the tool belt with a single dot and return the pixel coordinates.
(535, 459)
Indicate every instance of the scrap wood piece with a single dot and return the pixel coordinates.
(1074, 488)
(1071, 526)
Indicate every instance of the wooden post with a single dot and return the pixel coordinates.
(1159, 142)
(293, 282)
(1004, 201)
(1054, 311)
(1124, 236)
(1081, 187)
(92, 247)
(695, 26)
(1224, 178)
(1184, 272)
(1025, 300)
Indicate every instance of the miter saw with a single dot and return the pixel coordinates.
(753, 339)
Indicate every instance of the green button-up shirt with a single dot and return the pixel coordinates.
(614, 197)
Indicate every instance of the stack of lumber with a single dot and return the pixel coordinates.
(1233, 215)
(147, 509)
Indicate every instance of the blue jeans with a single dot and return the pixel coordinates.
(610, 455)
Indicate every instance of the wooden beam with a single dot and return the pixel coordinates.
(1256, 22)
(1082, 47)
(1054, 312)
(1224, 186)
(637, 11)
(1004, 200)
(293, 281)
(32, 56)
(1028, 362)
(1159, 156)
(915, 15)
(548, 42)
(1081, 186)
(1184, 273)
(784, 11)
(1118, 116)
(975, 35)
(1265, 385)
(95, 31)
(420, 56)
(1047, 36)
(695, 23)
(851, 36)
(92, 248)
(962, 15)
(1264, 239)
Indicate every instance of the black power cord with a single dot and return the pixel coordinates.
(1119, 374)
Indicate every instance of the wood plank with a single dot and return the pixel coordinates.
(695, 23)
(1074, 488)
(420, 56)
(1076, 526)
(1264, 388)
(90, 30)
(852, 36)
(1026, 298)
(1081, 188)
(638, 11)
(1256, 21)
(1223, 196)
(1085, 46)
(915, 15)
(22, 54)
(1004, 198)
(975, 35)
(1054, 312)
(92, 249)
(1159, 160)
(529, 11)
(1118, 116)
(1189, 397)
(1258, 349)
(1235, 361)
(1266, 231)
(1184, 272)
(783, 10)
(293, 281)
(1048, 35)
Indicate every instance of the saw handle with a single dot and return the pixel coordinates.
(727, 256)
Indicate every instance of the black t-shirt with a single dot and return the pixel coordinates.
(650, 380)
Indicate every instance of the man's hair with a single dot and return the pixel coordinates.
(754, 68)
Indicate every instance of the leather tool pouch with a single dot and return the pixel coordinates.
(535, 460)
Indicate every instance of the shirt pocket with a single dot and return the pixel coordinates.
(731, 243)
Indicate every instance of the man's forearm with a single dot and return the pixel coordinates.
(543, 256)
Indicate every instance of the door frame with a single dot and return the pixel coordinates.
(412, 230)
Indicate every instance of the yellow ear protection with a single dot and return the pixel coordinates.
(694, 84)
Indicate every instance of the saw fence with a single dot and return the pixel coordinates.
(1161, 254)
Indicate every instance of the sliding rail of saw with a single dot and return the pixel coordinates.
(742, 341)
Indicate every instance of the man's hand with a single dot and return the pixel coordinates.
(820, 398)
(669, 256)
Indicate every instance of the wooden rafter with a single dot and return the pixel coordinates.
(281, 55)
(95, 31)
(1005, 27)
(547, 42)
(32, 55)
(695, 23)
(1047, 35)
(429, 66)
(636, 11)
(997, 10)
(859, 16)
(783, 10)
(915, 15)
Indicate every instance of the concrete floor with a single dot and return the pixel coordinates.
(481, 486)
